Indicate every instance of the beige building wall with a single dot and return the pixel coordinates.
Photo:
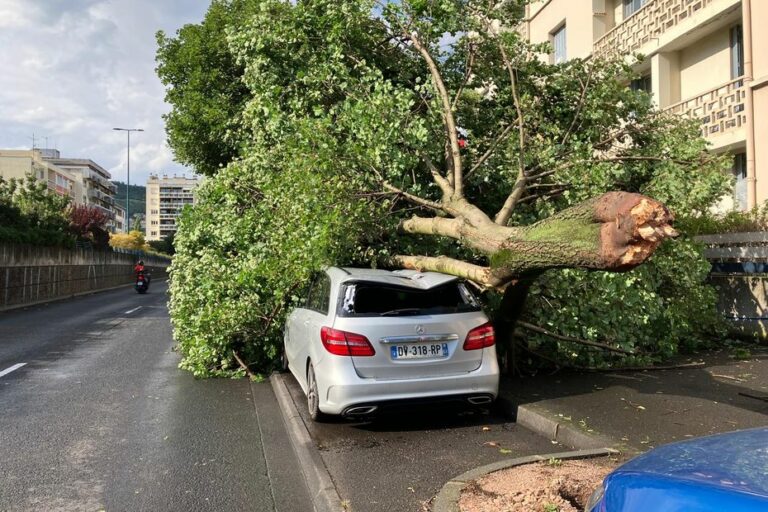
(21, 163)
(705, 64)
(759, 86)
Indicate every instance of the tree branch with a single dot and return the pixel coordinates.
(467, 74)
(502, 217)
(571, 339)
(438, 178)
(432, 226)
(448, 119)
(483, 276)
(491, 149)
(412, 198)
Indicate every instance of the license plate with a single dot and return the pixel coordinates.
(419, 351)
(140, 283)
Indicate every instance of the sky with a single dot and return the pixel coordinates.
(72, 70)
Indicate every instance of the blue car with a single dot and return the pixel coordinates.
(724, 472)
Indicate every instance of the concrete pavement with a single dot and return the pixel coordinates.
(100, 418)
(638, 410)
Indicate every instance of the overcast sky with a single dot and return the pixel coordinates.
(71, 70)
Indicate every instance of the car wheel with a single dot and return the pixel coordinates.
(313, 396)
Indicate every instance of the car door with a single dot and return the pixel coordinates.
(296, 348)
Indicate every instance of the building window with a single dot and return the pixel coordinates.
(154, 233)
(740, 186)
(642, 84)
(558, 42)
(737, 52)
(632, 6)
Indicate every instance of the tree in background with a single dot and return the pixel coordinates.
(89, 223)
(165, 245)
(204, 84)
(31, 214)
(421, 135)
(133, 240)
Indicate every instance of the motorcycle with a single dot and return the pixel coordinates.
(142, 283)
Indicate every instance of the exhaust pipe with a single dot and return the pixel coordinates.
(361, 410)
(479, 400)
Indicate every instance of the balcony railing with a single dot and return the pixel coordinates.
(720, 110)
(649, 22)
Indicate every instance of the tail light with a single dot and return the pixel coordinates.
(480, 337)
(343, 343)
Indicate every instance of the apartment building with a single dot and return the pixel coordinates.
(166, 197)
(705, 59)
(96, 188)
(16, 163)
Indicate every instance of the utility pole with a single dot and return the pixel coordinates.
(128, 177)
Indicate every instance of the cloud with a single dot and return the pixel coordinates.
(73, 70)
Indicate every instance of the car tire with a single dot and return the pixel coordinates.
(313, 396)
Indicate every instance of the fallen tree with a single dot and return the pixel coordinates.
(425, 135)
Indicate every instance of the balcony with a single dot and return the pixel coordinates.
(720, 110)
(650, 22)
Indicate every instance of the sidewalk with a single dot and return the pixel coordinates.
(635, 411)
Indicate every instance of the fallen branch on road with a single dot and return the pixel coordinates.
(570, 339)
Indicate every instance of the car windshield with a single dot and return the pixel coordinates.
(379, 299)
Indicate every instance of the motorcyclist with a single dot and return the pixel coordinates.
(140, 269)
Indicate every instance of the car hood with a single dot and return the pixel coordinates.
(736, 461)
(709, 474)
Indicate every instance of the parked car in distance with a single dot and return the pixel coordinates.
(724, 472)
(365, 339)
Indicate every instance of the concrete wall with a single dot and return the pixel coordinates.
(30, 274)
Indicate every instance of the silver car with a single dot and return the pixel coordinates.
(365, 339)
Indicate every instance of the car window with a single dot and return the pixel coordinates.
(379, 299)
(319, 293)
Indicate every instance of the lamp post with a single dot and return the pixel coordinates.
(128, 176)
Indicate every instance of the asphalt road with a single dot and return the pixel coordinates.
(399, 462)
(100, 418)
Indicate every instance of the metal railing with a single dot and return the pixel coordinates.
(649, 22)
(720, 110)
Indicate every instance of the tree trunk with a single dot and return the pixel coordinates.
(509, 312)
(616, 231)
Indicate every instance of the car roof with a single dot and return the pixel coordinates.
(735, 461)
(407, 278)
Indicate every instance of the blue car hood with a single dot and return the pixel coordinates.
(720, 472)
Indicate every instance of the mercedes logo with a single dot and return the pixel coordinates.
(419, 329)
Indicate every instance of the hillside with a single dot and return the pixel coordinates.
(138, 195)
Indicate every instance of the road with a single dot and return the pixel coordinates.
(95, 415)
(399, 462)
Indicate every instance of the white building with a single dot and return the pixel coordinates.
(166, 197)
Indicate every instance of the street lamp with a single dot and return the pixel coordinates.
(128, 176)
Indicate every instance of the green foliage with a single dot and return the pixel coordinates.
(164, 246)
(204, 86)
(244, 252)
(30, 214)
(303, 109)
(755, 219)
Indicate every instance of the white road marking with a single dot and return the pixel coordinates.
(133, 310)
(11, 369)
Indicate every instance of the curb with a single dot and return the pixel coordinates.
(540, 421)
(447, 499)
(325, 497)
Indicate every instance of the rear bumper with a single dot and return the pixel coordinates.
(340, 390)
